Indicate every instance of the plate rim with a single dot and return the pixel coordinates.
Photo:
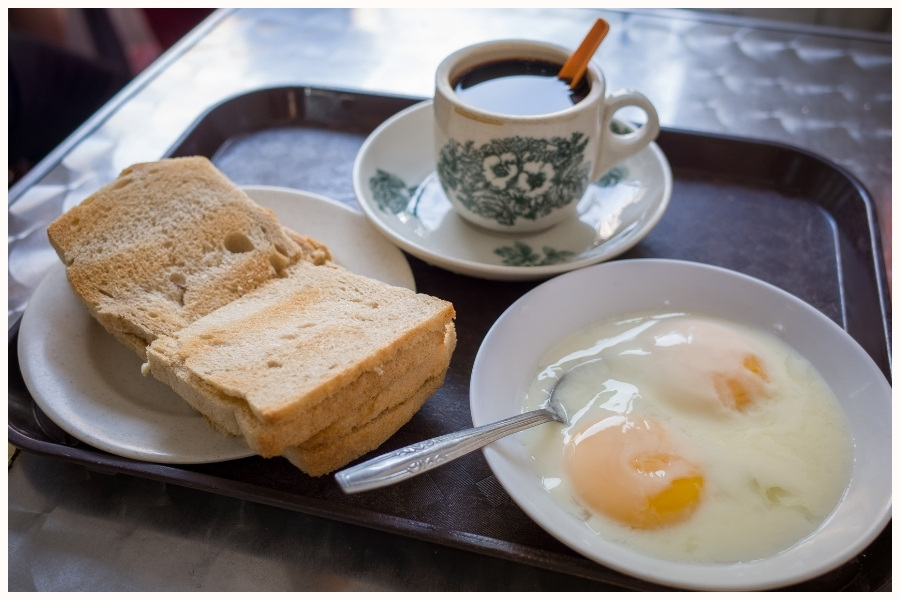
(484, 270)
(502, 457)
(46, 394)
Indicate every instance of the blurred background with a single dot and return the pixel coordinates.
(65, 63)
(865, 19)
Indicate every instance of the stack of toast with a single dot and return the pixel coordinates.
(253, 324)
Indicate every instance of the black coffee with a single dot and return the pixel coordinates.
(519, 87)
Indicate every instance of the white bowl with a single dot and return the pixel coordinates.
(512, 350)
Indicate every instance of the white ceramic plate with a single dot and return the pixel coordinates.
(511, 352)
(398, 189)
(91, 386)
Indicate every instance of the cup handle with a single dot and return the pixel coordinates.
(617, 147)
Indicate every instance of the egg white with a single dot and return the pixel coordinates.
(772, 473)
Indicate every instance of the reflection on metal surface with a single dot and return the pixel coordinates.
(826, 93)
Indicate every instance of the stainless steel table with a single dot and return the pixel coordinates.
(71, 528)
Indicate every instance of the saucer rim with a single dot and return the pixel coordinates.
(483, 270)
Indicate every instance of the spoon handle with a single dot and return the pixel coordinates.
(423, 456)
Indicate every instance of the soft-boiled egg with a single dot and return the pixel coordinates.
(690, 438)
(657, 486)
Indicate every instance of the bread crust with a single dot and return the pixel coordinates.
(325, 458)
(427, 366)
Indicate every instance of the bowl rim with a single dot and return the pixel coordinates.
(517, 340)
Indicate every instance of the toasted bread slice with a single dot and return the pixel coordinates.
(249, 321)
(287, 360)
(167, 243)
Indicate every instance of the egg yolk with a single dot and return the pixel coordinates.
(702, 366)
(739, 389)
(633, 472)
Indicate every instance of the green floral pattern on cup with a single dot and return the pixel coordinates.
(515, 178)
(392, 195)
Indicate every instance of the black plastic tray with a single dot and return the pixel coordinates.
(771, 211)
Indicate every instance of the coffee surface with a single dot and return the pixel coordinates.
(518, 87)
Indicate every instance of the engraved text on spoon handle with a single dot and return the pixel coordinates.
(422, 456)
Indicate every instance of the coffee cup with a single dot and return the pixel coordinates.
(515, 148)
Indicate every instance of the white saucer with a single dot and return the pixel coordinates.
(398, 189)
(92, 387)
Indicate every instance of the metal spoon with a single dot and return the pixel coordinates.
(417, 458)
